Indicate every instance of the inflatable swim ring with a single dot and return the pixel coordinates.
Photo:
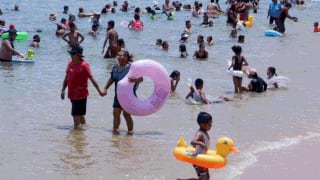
(272, 33)
(20, 35)
(237, 73)
(153, 17)
(249, 23)
(124, 24)
(136, 25)
(160, 77)
(171, 16)
(240, 26)
(213, 158)
(280, 80)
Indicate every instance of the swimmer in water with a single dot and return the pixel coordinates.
(174, 79)
(271, 73)
(241, 39)
(183, 51)
(35, 41)
(74, 37)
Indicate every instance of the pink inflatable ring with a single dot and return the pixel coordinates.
(154, 70)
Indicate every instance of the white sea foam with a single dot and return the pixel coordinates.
(248, 158)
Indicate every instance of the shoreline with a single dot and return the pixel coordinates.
(296, 162)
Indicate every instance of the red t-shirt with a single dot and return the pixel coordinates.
(316, 29)
(77, 77)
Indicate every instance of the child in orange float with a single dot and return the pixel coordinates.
(316, 27)
(201, 142)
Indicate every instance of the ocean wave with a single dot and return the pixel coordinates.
(249, 155)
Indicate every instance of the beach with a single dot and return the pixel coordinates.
(297, 162)
(276, 132)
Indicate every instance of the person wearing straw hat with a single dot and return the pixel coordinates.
(77, 74)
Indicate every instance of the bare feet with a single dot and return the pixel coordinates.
(116, 132)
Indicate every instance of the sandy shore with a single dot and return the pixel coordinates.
(294, 163)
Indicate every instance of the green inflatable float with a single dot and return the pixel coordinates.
(20, 35)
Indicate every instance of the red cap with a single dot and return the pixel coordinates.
(11, 26)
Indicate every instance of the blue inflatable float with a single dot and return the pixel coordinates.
(272, 33)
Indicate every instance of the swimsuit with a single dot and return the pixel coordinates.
(201, 171)
(112, 51)
(258, 85)
(137, 25)
(238, 64)
(196, 96)
(201, 57)
(116, 76)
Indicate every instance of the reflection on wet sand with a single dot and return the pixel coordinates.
(76, 157)
(126, 151)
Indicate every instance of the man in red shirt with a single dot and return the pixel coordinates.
(77, 74)
(283, 15)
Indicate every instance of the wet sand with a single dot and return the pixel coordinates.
(295, 163)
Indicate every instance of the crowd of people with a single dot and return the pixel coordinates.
(78, 70)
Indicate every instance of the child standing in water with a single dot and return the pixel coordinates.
(237, 62)
(201, 142)
(74, 37)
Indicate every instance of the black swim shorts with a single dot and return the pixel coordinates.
(79, 107)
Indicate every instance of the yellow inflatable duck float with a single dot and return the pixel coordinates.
(249, 23)
(213, 158)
